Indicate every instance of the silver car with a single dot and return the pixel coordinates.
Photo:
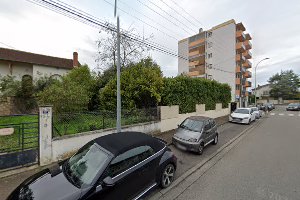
(194, 133)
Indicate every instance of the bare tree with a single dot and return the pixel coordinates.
(133, 48)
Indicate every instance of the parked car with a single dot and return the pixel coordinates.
(196, 132)
(117, 166)
(293, 106)
(257, 112)
(269, 106)
(242, 115)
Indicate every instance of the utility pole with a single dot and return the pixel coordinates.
(255, 78)
(118, 73)
(241, 74)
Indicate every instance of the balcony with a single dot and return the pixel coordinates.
(197, 50)
(237, 92)
(240, 36)
(200, 61)
(248, 74)
(237, 69)
(197, 42)
(240, 58)
(248, 84)
(244, 81)
(247, 54)
(200, 69)
(240, 47)
(248, 44)
(248, 36)
(240, 26)
(247, 64)
(195, 73)
(237, 81)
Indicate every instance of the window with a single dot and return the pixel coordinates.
(209, 34)
(128, 159)
(207, 126)
(193, 125)
(209, 55)
(209, 44)
(209, 66)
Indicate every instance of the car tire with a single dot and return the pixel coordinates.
(216, 139)
(167, 175)
(201, 148)
(249, 121)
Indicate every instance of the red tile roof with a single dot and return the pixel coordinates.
(32, 58)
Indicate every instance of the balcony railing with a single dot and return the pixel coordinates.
(240, 58)
(247, 64)
(240, 47)
(248, 44)
(240, 36)
(237, 81)
(248, 74)
(247, 54)
(248, 84)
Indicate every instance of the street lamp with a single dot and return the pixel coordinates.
(255, 77)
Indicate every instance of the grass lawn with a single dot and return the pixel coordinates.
(62, 125)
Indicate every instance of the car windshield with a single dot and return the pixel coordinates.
(293, 104)
(193, 125)
(242, 111)
(85, 164)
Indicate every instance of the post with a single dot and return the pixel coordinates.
(118, 79)
(255, 77)
(45, 135)
(241, 74)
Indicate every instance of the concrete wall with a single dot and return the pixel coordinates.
(41, 71)
(223, 56)
(63, 147)
(170, 119)
(183, 50)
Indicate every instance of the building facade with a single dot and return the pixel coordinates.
(20, 63)
(221, 53)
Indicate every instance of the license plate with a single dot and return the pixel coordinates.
(179, 146)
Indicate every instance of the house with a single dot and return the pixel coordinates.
(221, 53)
(262, 91)
(19, 63)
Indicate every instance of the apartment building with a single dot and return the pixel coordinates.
(221, 53)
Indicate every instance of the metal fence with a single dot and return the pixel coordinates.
(77, 122)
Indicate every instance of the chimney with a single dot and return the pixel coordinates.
(75, 59)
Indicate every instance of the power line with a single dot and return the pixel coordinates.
(143, 21)
(89, 21)
(151, 19)
(187, 13)
(170, 15)
(7, 45)
(162, 15)
(179, 13)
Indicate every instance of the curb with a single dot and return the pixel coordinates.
(163, 192)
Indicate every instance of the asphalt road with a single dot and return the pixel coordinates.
(264, 165)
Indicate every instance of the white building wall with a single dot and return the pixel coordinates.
(17, 69)
(183, 50)
(41, 71)
(223, 52)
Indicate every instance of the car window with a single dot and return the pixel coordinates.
(128, 159)
(242, 111)
(207, 126)
(212, 122)
(194, 125)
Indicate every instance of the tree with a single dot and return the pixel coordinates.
(72, 93)
(9, 86)
(131, 49)
(285, 85)
(141, 86)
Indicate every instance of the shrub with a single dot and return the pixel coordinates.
(187, 92)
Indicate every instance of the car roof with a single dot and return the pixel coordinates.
(199, 118)
(118, 143)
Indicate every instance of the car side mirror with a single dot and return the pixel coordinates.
(108, 182)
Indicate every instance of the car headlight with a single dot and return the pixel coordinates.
(192, 140)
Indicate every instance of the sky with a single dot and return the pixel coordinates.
(273, 25)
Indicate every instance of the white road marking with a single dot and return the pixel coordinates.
(272, 114)
(291, 114)
(281, 114)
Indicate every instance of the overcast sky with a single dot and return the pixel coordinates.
(274, 26)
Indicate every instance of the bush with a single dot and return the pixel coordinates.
(187, 92)
(141, 86)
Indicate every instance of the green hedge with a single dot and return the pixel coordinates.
(187, 92)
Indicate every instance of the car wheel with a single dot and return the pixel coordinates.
(249, 121)
(167, 176)
(216, 139)
(201, 148)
